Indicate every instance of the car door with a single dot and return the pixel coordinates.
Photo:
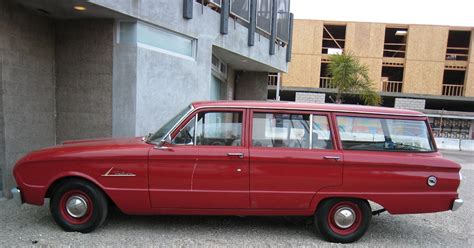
(206, 165)
(287, 164)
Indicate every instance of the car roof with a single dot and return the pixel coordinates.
(348, 108)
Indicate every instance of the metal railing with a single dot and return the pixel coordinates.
(272, 79)
(457, 53)
(325, 82)
(453, 90)
(392, 86)
(240, 10)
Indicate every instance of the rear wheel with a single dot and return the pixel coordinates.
(78, 206)
(343, 220)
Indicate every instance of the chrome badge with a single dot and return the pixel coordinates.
(432, 180)
(117, 173)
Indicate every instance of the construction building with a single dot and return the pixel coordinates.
(423, 67)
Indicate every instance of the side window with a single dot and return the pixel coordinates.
(321, 133)
(219, 129)
(186, 134)
(359, 133)
(377, 134)
(280, 130)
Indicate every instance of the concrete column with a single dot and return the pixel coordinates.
(27, 80)
(251, 85)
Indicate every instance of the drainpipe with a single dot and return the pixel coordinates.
(278, 88)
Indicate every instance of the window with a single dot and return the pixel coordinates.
(321, 133)
(377, 134)
(219, 129)
(280, 130)
(186, 134)
(154, 37)
(166, 128)
(291, 131)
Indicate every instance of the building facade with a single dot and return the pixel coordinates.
(77, 69)
(422, 67)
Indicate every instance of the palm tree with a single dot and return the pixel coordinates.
(349, 76)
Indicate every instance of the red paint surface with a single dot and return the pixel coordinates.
(266, 181)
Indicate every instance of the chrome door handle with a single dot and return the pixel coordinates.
(332, 157)
(235, 154)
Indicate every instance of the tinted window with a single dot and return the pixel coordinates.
(280, 130)
(361, 133)
(219, 129)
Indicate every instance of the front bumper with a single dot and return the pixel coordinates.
(457, 204)
(17, 196)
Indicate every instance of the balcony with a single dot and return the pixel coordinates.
(453, 90)
(325, 83)
(392, 86)
(272, 79)
(241, 11)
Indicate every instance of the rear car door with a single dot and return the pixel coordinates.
(292, 156)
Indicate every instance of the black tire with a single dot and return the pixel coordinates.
(333, 232)
(96, 210)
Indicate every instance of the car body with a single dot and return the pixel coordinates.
(252, 158)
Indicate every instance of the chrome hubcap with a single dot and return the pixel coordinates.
(76, 206)
(344, 217)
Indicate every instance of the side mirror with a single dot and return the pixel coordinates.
(164, 142)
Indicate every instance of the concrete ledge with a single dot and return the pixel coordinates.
(455, 144)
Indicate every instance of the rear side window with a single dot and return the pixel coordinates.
(379, 134)
(291, 131)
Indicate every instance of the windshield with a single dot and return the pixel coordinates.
(165, 129)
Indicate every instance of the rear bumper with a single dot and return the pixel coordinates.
(457, 204)
(17, 196)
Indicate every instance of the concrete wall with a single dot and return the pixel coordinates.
(409, 103)
(310, 97)
(27, 77)
(124, 91)
(251, 86)
(205, 25)
(84, 50)
(157, 102)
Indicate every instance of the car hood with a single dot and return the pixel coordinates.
(98, 149)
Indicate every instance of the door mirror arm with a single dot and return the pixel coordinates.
(163, 144)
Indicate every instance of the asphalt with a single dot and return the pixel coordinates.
(33, 226)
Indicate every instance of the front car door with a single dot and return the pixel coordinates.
(292, 156)
(206, 166)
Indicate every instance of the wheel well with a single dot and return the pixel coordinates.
(350, 198)
(63, 180)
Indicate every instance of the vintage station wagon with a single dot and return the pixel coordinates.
(251, 158)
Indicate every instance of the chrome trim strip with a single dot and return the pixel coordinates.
(457, 204)
(311, 131)
(16, 192)
(312, 109)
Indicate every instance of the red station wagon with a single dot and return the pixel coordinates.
(251, 158)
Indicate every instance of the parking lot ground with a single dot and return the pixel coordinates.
(31, 226)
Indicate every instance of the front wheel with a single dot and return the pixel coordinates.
(343, 220)
(78, 206)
